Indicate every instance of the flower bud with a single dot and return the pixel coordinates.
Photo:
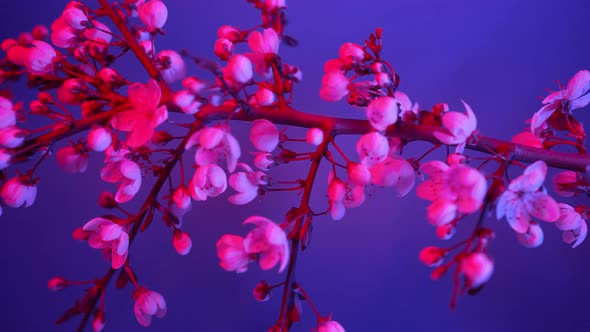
(19, 191)
(239, 69)
(153, 15)
(456, 159)
(98, 321)
(477, 268)
(161, 137)
(223, 48)
(315, 136)
(182, 197)
(193, 84)
(45, 98)
(351, 53)
(432, 256)
(265, 97)
(39, 59)
(171, 66)
(383, 80)
(148, 46)
(40, 32)
(11, 137)
(99, 139)
(263, 160)
(182, 242)
(358, 174)
(532, 238)
(75, 18)
(187, 102)
(72, 160)
(109, 75)
(5, 158)
(107, 200)
(57, 283)
(228, 32)
(74, 85)
(262, 291)
(445, 232)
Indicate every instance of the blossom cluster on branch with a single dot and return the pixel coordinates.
(136, 125)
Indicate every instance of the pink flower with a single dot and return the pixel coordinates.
(99, 139)
(432, 256)
(72, 160)
(565, 180)
(142, 120)
(533, 237)
(187, 102)
(181, 197)
(105, 234)
(213, 145)
(39, 58)
(182, 242)
(265, 42)
(394, 172)
(358, 174)
(208, 181)
(232, 254)
(171, 65)
(5, 158)
(262, 160)
(7, 113)
(247, 184)
(262, 291)
(330, 326)
(272, 4)
(268, 241)
(452, 189)
(223, 48)
(100, 32)
(334, 86)
(343, 195)
(124, 171)
(458, 126)
(229, 32)
(372, 148)
(351, 54)
(193, 84)
(19, 191)
(98, 321)
(314, 136)
(527, 138)
(523, 199)
(574, 96)
(334, 65)
(382, 112)
(63, 35)
(74, 17)
(264, 135)
(11, 137)
(153, 15)
(408, 111)
(148, 304)
(573, 225)
(477, 268)
(238, 69)
(264, 97)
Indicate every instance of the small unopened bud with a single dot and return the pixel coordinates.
(99, 139)
(477, 268)
(109, 75)
(383, 79)
(57, 283)
(315, 136)
(223, 48)
(25, 38)
(107, 200)
(432, 256)
(377, 67)
(262, 291)
(194, 84)
(161, 137)
(98, 321)
(456, 159)
(80, 235)
(38, 107)
(181, 197)
(40, 32)
(265, 97)
(74, 85)
(182, 242)
(45, 98)
(229, 32)
(446, 231)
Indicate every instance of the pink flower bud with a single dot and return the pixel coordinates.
(272, 4)
(11, 137)
(40, 32)
(25, 38)
(372, 148)
(223, 48)
(148, 46)
(263, 160)
(382, 112)
(161, 137)
(98, 321)
(5, 158)
(561, 180)
(17, 192)
(441, 212)
(383, 80)
(446, 231)
(532, 238)
(153, 15)
(148, 304)
(477, 268)
(330, 326)
(57, 283)
(171, 65)
(351, 53)
(239, 69)
(107, 200)
(232, 254)
(39, 59)
(182, 242)
(109, 75)
(456, 159)
(432, 256)
(264, 43)
(377, 67)
(182, 197)
(264, 97)
(7, 44)
(264, 135)
(72, 160)
(75, 18)
(187, 102)
(194, 84)
(74, 85)
(314, 136)
(99, 139)
(7, 113)
(334, 86)
(228, 32)
(63, 35)
(262, 291)
(334, 65)
(17, 54)
(358, 174)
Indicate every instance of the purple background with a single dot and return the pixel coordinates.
(497, 55)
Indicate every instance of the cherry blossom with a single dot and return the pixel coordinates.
(146, 115)
(99, 139)
(533, 237)
(247, 184)
(351, 54)
(107, 235)
(153, 15)
(458, 126)
(238, 69)
(264, 97)
(63, 35)
(358, 174)
(182, 242)
(334, 86)
(11, 137)
(232, 254)
(573, 225)
(265, 42)
(39, 58)
(432, 256)
(213, 145)
(181, 197)
(147, 304)
(268, 241)
(7, 113)
(523, 199)
(75, 17)
(262, 160)
(574, 96)
(119, 169)
(314, 136)
(343, 195)
(187, 102)
(330, 326)
(264, 135)
(561, 181)
(382, 112)
(72, 159)
(223, 48)
(208, 181)
(19, 191)
(229, 32)
(171, 65)
(394, 172)
(372, 148)
(477, 268)
(408, 111)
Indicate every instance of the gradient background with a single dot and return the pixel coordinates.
(497, 55)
